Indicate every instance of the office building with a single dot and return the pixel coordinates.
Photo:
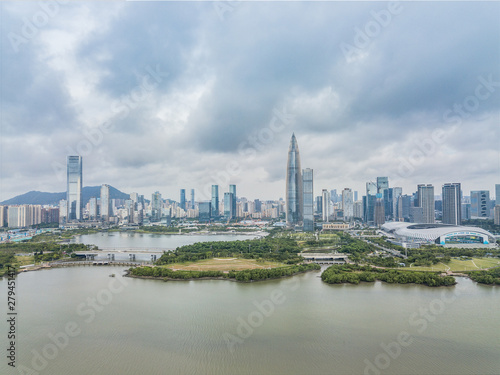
(496, 214)
(205, 210)
(426, 202)
(369, 202)
(232, 190)
(452, 206)
(294, 195)
(308, 199)
(156, 206)
(183, 199)
(74, 188)
(319, 205)
(382, 185)
(379, 213)
(348, 204)
(215, 202)
(480, 204)
(396, 193)
(192, 199)
(228, 206)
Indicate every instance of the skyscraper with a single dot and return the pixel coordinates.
(497, 194)
(382, 184)
(156, 203)
(452, 206)
(183, 199)
(348, 204)
(426, 202)
(369, 202)
(232, 189)
(396, 212)
(192, 199)
(325, 210)
(379, 211)
(480, 201)
(74, 190)
(308, 199)
(228, 205)
(294, 197)
(215, 202)
(105, 203)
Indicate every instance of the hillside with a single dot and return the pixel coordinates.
(39, 197)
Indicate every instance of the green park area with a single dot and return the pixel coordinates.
(458, 265)
(225, 264)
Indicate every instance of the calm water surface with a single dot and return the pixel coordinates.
(139, 326)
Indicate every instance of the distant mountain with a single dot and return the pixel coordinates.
(39, 197)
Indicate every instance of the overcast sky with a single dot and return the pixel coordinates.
(166, 95)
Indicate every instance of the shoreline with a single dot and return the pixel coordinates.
(165, 279)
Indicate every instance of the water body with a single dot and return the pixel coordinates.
(143, 241)
(140, 326)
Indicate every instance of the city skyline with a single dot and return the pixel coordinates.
(146, 121)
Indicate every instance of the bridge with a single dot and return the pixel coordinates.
(325, 258)
(98, 263)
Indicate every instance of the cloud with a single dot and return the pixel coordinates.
(163, 95)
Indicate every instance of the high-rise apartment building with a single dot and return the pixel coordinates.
(74, 188)
(294, 195)
(426, 202)
(452, 204)
(325, 210)
(497, 194)
(308, 199)
(496, 215)
(93, 208)
(106, 210)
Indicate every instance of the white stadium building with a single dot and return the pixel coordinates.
(442, 234)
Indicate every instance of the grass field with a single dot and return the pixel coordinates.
(223, 264)
(23, 260)
(457, 265)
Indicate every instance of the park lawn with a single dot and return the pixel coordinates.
(457, 265)
(23, 260)
(223, 264)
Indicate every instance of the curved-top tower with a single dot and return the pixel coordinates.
(294, 198)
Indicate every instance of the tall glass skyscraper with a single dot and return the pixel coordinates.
(192, 199)
(232, 190)
(307, 184)
(452, 204)
(215, 202)
(74, 190)
(294, 198)
(228, 205)
(183, 199)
